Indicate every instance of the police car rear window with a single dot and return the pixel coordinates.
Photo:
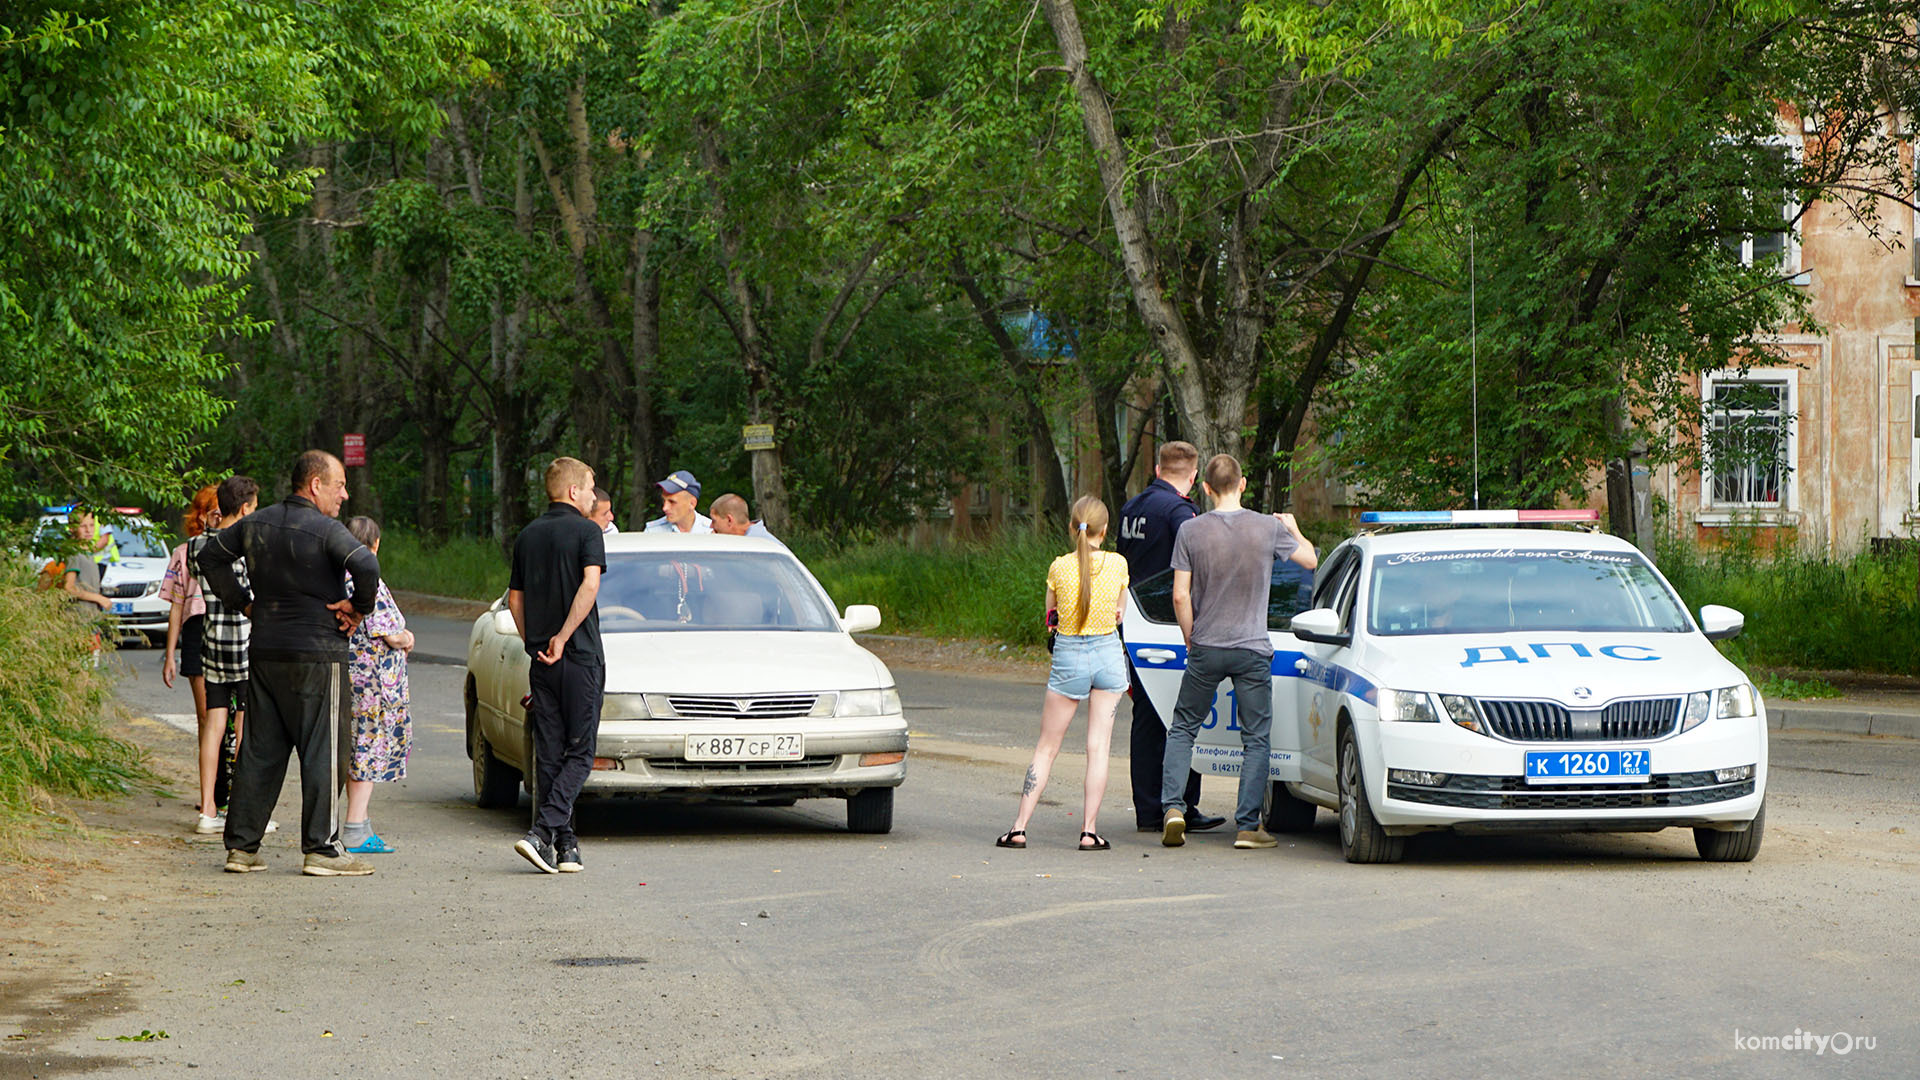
(1292, 586)
(1460, 592)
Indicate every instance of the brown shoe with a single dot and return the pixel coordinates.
(1173, 828)
(1255, 838)
(244, 862)
(318, 865)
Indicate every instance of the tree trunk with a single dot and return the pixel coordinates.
(1054, 506)
(646, 355)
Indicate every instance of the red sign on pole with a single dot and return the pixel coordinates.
(356, 450)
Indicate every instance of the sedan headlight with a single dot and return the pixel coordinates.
(625, 707)
(868, 702)
(152, 589)
(1406, 706)
(1726, 703)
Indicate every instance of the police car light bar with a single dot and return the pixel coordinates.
(1475, 517)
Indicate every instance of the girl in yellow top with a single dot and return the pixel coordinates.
(1086, 587)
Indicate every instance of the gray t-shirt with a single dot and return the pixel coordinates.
(88, 572)
(1230, 554)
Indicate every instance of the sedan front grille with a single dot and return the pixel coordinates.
(1546, 721)
(129, 591)
(747, 707)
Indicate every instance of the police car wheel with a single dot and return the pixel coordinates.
(1288, 814)
(1362, 840)
(1717, 846)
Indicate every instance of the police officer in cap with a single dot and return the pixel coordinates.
(1148, 523)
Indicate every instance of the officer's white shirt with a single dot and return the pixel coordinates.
(701, 524)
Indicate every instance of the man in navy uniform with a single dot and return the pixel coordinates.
(1148, 523)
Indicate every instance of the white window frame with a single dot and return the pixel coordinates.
(1790, 482)
(1790, 211)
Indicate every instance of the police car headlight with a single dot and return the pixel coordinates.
(1734, 701)
(1460, 709)
(1697, 705)
(1407, 707)
(152, 589)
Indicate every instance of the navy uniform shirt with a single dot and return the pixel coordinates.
(550, 558)
(1147, 526)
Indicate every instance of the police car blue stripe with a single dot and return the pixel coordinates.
(1332, 676)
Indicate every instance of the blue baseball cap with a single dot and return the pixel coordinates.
(680, 481)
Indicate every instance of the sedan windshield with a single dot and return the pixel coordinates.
(1458, 592)
(685, 590)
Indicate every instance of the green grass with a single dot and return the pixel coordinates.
(54, 709)
(1805, 612)
(466, 568)
(1785, 686)
(991, 591)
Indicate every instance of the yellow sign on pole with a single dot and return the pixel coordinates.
(756, 437)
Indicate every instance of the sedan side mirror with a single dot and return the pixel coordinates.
(503, 623)
(860, 618)
(1321, 625)
(1721, 623)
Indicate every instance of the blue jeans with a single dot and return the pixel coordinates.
(1252, 676)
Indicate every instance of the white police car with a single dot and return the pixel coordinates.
(1489, 680)
(136, 563)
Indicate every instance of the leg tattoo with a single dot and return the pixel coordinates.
(1033, 781)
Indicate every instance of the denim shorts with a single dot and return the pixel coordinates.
(1085, 663)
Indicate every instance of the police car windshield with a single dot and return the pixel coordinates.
(649, 592)
(1489, 591)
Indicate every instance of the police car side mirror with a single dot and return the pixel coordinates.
(1321, 625)
(1721, 623)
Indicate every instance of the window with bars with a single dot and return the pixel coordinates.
(1748, 456)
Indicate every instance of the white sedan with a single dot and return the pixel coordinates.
(1490, 680)
(730, 677)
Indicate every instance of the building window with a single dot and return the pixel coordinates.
(1750, 449)
(1772, 212)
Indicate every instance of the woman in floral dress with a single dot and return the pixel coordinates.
(382, 729)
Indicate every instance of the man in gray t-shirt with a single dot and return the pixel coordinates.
(1222, 572)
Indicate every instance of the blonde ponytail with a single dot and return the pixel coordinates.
(1089, 519)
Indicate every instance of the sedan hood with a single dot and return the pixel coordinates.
(739, 662)
(1576, 669)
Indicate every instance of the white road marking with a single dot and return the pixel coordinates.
(186, 722)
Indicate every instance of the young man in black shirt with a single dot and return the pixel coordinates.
(551, 590)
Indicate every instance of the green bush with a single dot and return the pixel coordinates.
(53, 705)
(1804, 611)
(994, 591)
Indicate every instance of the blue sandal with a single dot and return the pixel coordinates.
(372, 845)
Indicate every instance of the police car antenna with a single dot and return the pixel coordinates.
(1473, 349)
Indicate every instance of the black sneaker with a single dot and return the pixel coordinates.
(1200, 822)
(539, 852)
(570, 857)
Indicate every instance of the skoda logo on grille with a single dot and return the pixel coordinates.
(1581, 693)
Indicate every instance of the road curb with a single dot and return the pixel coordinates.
(1901, 725)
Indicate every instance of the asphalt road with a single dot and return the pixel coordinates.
(713, 941)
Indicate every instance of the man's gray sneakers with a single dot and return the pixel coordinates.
(244, 862)
(318, 865)
(538, 851)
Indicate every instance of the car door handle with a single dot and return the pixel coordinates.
(1303, 665)
(1156, 656)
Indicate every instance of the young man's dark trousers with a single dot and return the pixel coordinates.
(1145, 755)
(564, 720)
(294, 707)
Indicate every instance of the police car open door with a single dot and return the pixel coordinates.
(1155, 650)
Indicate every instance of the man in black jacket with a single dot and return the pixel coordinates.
(298, 557)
